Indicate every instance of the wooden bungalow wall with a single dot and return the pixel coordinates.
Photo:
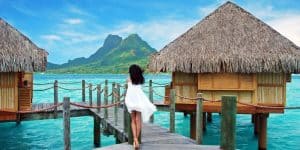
(264, 89)
(8, 95)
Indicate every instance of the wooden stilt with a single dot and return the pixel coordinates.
(262, 137)
(97, 136)
(252, 118)
(256, 124)
(204, 121)
(209, 117)
(192, 125)
(185, 114)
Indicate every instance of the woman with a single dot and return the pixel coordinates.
(137, 102)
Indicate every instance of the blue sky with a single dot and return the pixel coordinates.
(76, 28)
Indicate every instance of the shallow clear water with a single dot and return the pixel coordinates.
(283, 129)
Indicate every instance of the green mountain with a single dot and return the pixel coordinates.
(115, 56)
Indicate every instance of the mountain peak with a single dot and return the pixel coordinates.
(111, 40)
(134, 36)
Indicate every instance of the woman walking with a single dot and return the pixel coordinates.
(137, 102)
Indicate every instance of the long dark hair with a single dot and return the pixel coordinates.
(136, 74)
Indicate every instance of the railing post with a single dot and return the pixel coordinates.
(55, 97)
(172, 110)
(125, 121)
(106, 99)
(91, 94)
(97, 134)
(199, 119)
(83, 90)
(66, 117)
(98, 97)
(228, 122)
(112, 91)
(117, 99)
(151, 99)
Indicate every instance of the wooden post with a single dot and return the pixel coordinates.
(83, 90)
(98, 97)
(199, 118)
(209, 117)
(185, 114)
(129, 129)
(228, 121)
(252, 118)
(113, 90)
(204, 121)
(97, 134)
(66, 117)
(55, 97)
(172, 110)
(91, 94)
(256, 123)
(262, 137)
(125, 120)
(106, 99)
(151, 98)
(193, 125)
(117, 99)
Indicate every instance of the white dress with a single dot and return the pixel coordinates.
(137, 100)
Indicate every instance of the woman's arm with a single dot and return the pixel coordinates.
(128, 80)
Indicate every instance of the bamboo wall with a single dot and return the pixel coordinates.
(271, 89)
(263, 89)
(8, 95)
(185, 85)
(213, 86)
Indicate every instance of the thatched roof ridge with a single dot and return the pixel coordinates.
(230, 39)
(19, 53)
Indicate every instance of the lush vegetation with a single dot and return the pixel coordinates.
(115, 56)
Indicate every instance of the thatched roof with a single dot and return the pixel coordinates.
(230, 39)
(18, 53)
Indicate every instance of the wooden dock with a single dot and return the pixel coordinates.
(153, 136)
(51, 113)
(110, 118)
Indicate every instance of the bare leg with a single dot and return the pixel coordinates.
(133, 125)
(138, 126)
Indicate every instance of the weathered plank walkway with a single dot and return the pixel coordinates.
(50, 113)
(153, 136)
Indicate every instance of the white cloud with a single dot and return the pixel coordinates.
(288, 26)
(51, 37)
(206, 10)
(157, 33)
(73, 21)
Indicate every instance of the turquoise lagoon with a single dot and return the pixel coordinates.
(283, 129)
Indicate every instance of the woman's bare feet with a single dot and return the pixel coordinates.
(136, 143)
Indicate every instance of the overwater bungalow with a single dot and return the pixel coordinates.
(19, 58)
(230, 52)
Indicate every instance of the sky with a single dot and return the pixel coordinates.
(68, 29)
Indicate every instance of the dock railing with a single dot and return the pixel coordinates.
(228, 109)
